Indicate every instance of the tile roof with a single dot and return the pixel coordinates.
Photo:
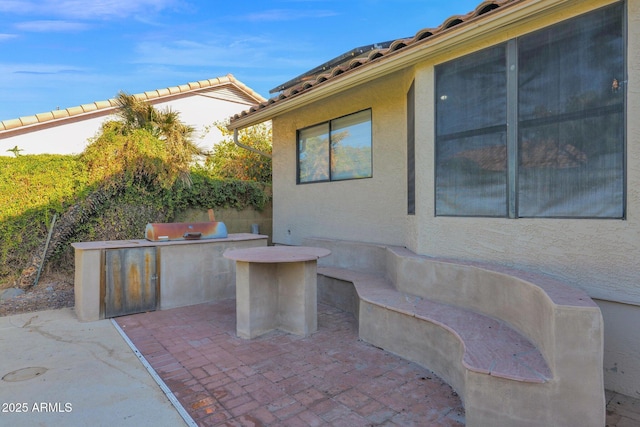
(376, 53)
(153, 95)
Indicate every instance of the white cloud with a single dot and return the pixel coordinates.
(86, 10)
(16, 6)
(51, 26)
(35, 68)
(230, 52)
(4, 37)
(286, 15)
(36, 88)
(101, 9)
(186, 53)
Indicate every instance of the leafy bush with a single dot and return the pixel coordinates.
(145, 147)
(141, 168)
(36, 182)
(34, 188)
(230, 161)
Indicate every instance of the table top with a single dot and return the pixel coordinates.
(276, 254)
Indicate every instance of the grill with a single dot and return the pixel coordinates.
(185, 231)
(163, 231)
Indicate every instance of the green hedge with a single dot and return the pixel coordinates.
(33, 188)
(43, 182)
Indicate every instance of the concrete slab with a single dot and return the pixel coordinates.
(57, 371)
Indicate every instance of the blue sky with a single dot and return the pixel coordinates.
(64, 53)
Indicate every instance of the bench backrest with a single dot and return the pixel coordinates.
(528, 302)
(521, 304)
(357, 256)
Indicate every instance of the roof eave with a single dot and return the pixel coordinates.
(26, 123)
(509, 15)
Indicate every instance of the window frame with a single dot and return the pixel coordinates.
(411, 149)
(330, 151)
(514, 133)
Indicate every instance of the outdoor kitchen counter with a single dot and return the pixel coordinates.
(276, 288)
(134, 243)
(185, 272)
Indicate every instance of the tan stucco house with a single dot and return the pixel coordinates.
(509, 136)
(67, 131)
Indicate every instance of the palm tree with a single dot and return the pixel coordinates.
(149, 146)
(136, 114)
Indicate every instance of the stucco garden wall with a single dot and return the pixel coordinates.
(601, 257)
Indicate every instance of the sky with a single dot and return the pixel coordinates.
(65, 53)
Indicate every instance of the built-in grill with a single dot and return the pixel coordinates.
(186, 230)
(130, 282)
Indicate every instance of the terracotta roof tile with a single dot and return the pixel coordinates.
(28, 120)
(36, 119)
(74, 111)
(89, 107)
(11, 124)
(44, 117)
(311, 81)
(103, 104)
(151, 94)
(58, 114)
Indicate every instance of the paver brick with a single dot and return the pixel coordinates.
(280, 379)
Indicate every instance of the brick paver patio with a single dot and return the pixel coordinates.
(280, 379)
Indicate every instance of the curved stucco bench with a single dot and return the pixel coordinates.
(520, 349)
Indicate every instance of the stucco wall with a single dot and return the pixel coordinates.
(601, 257)
(370, 209)
(621, 347)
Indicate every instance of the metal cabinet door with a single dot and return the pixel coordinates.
(130, 281)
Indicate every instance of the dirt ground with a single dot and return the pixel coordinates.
(53, 291)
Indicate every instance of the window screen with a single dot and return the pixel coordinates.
(539, 120)
(471, 145)
(571, 118)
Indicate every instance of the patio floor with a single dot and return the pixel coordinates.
(329, 378)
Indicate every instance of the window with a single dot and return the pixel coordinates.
(336, 150)
(411, 150)
(535, 127)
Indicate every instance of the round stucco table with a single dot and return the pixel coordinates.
(276, 288)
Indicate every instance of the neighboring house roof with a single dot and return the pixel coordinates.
(362, 58)
(226, 87)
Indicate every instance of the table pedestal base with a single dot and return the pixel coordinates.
(276, 296)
